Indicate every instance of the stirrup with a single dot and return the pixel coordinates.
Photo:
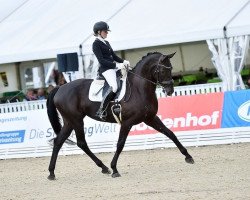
(116, 111)
(116, 108)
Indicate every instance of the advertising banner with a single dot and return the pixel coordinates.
(27, 133)
(184, 113)
(236, 109)
(24, 129)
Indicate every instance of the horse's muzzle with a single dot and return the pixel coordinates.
(168, 90)
(168, 87)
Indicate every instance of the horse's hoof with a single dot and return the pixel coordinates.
(52, 177)
(114, 175)
(106, 171)
(189, 160)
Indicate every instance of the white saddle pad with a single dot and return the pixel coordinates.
(95, 90)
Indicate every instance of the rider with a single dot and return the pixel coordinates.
(109, 63)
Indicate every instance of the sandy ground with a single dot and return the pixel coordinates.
(220, 172)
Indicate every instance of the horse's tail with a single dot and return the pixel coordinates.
(54, 117)
(52, 112)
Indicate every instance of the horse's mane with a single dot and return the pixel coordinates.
(143, 57)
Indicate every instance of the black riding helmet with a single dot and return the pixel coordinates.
(100, 26)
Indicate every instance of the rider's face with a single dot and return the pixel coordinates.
(104, 34)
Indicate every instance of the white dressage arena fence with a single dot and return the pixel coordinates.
(192, 89)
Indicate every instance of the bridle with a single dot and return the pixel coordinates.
(158, 81)
(157, 70)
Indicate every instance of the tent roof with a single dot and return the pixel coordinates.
(41, 29)
(144, 23)
(8, 7)
(240, 24)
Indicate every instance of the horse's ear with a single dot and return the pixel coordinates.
(166, 57)
(171, 55)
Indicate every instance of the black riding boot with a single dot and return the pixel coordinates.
(109, 95)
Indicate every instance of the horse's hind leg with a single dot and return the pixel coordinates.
(157, 124)
(58, 142)
(81, 143)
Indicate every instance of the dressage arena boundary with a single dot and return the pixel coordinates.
(101, 137)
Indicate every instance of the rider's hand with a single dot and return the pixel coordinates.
(123, 72)
(120, 66)
(126, 63)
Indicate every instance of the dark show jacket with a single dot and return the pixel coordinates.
(105, 55)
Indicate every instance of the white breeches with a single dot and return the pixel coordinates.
(110, 76)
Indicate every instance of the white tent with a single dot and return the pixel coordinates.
(229, 52)
(41, 29)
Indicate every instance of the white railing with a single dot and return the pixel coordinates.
(193, 89)
(178, 91)
(22, 106)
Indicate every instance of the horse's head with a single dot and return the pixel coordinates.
(163, 74)
(155, 68)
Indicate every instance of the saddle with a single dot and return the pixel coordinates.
(99, 87)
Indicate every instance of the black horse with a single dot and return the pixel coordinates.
(139, 105)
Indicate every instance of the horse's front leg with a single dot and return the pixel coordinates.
(157, 124)
(124, 130)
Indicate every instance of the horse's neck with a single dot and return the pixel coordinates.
(142, 84)
(149, 90)
(143, 80)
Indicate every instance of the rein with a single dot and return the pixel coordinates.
(143, 78)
